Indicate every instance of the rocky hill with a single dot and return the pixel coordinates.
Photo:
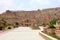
(41, 16)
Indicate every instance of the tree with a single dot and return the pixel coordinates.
(16, 24)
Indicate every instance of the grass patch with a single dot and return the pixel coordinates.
(52, 35)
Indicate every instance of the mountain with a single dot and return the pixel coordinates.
(40, 16)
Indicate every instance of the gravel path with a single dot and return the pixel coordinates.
(22, 33)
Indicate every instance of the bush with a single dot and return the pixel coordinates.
(54, 21)
(59, 28)
(51, 26)
(16, 24)
(1, 27)
(9, 27)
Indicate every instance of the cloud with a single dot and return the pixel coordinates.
(10, 5)
(39, 2)
(5, 4)
(27, 4)
(20, 6)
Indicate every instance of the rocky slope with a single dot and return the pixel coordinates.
(41, 16)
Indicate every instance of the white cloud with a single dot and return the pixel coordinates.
(28, 5)
(10, 5)
(38, 3)
(5, 4)
(20, 6)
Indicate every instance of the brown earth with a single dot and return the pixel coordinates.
(41, 16)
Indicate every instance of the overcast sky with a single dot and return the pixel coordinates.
(27, 4)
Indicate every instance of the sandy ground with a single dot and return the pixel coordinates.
(22, 33)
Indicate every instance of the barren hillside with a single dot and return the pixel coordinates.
(41, 16)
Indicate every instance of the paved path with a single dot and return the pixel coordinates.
(22, 33)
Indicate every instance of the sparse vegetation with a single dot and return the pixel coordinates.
(5, 25)
(16, 24)
(1, 27)
(51, 26)
(41, 16)
(52, 35)
(53, 21)
(9, 27)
